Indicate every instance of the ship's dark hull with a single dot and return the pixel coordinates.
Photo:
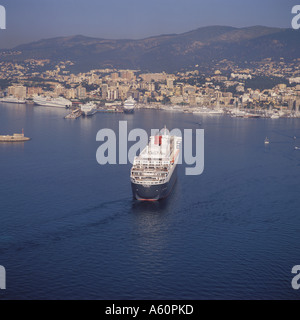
(153, 192)
(128, 111)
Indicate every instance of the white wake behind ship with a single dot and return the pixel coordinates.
(89, 109)
(129, 105)
(12, 99)
(59, 102)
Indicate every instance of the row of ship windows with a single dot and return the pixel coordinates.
(150, 168)
(153, 163)
(148, 174)
(148, 180)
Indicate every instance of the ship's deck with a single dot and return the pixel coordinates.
(156, 162)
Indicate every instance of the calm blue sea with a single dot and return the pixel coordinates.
(69, 228)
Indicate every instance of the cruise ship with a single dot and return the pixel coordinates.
(154, 171)
(89, 109)
(129, 105)
(12, 99)
(59, 102)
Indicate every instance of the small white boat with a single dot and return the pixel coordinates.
(275, 116)
(267, 141)
(238, 113)
(297, 148)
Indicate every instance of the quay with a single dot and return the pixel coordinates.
(110, 110)
(74, 114)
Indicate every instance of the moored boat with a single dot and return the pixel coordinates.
(129, 105)
(89, 109)
(59, 102)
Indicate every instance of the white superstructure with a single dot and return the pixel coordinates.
(59, 102)
(156, 163)
(89, 109)
(129, 105)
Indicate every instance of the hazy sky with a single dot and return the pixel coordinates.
(30, 20)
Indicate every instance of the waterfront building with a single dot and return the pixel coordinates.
(81, 92)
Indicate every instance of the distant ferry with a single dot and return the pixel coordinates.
(153, 173)
(59, 102)
(129, 105)
(17, 137)
(12, 99)
(89, 109)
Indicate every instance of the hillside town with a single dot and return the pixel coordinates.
(268, 85)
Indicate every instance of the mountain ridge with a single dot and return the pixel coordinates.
(168, 52)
